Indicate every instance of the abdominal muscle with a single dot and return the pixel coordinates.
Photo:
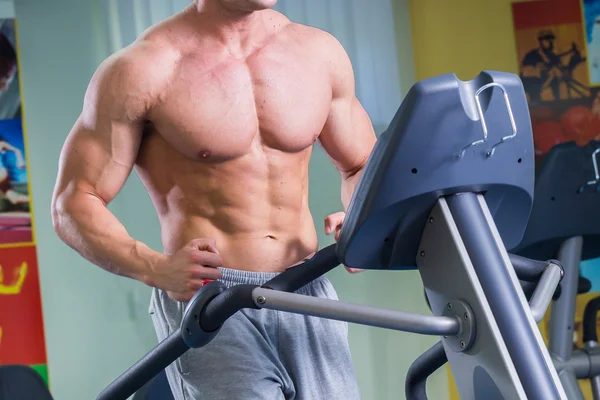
(254, 249)
(255, 206)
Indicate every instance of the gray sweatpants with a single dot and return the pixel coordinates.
(262, 354)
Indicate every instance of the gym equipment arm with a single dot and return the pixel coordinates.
(542, 295)
(357, 313)
(225, 305)
(529, 270)
(146, 368)
(294, 278)
(421, 369)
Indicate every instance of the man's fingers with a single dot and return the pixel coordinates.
(203, 273)
(354, 270)
(195, 285)
(207, 259)
(334, 222)
(205, 245)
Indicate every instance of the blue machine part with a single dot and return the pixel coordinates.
(567, 203)
(439, 143)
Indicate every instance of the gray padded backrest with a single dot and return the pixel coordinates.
(415, 162)
(565, 205)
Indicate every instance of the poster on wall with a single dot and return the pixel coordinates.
(15, 218)
(553, 65)
(21, 320)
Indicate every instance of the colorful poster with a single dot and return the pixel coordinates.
(551, 49)
(21, 321)
(21, 324)
(15, 219)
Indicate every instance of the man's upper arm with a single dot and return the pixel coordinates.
(102, 147)
(348, 136)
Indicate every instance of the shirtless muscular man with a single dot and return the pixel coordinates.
(217, 108)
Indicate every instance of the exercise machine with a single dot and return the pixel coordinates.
(590, 340)
(565, 223)
(447, 189)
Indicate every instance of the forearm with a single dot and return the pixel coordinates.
(84, 223)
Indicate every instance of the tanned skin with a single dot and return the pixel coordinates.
(217, 109)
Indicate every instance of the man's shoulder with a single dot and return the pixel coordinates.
(319, 43)
(146, 62)
(312, 35)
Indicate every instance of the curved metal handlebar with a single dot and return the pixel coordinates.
(484, 127)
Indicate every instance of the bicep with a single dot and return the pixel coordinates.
(102, 147)
(348, 136)
(96, 160)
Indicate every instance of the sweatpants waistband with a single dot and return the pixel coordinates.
(232, 277)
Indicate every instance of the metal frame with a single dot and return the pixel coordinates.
(562, 317)
(356, 313)
(449, 254)
(542, 295)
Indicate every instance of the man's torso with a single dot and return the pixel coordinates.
(225, 153)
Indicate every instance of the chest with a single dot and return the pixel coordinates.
(280, 99)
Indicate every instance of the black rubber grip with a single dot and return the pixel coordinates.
(529, 270)
(296, 277)
(421, 369)
(146, 368)
(225, 305)
(590, 315)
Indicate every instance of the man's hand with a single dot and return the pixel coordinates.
(333, 223)
(182, 274)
